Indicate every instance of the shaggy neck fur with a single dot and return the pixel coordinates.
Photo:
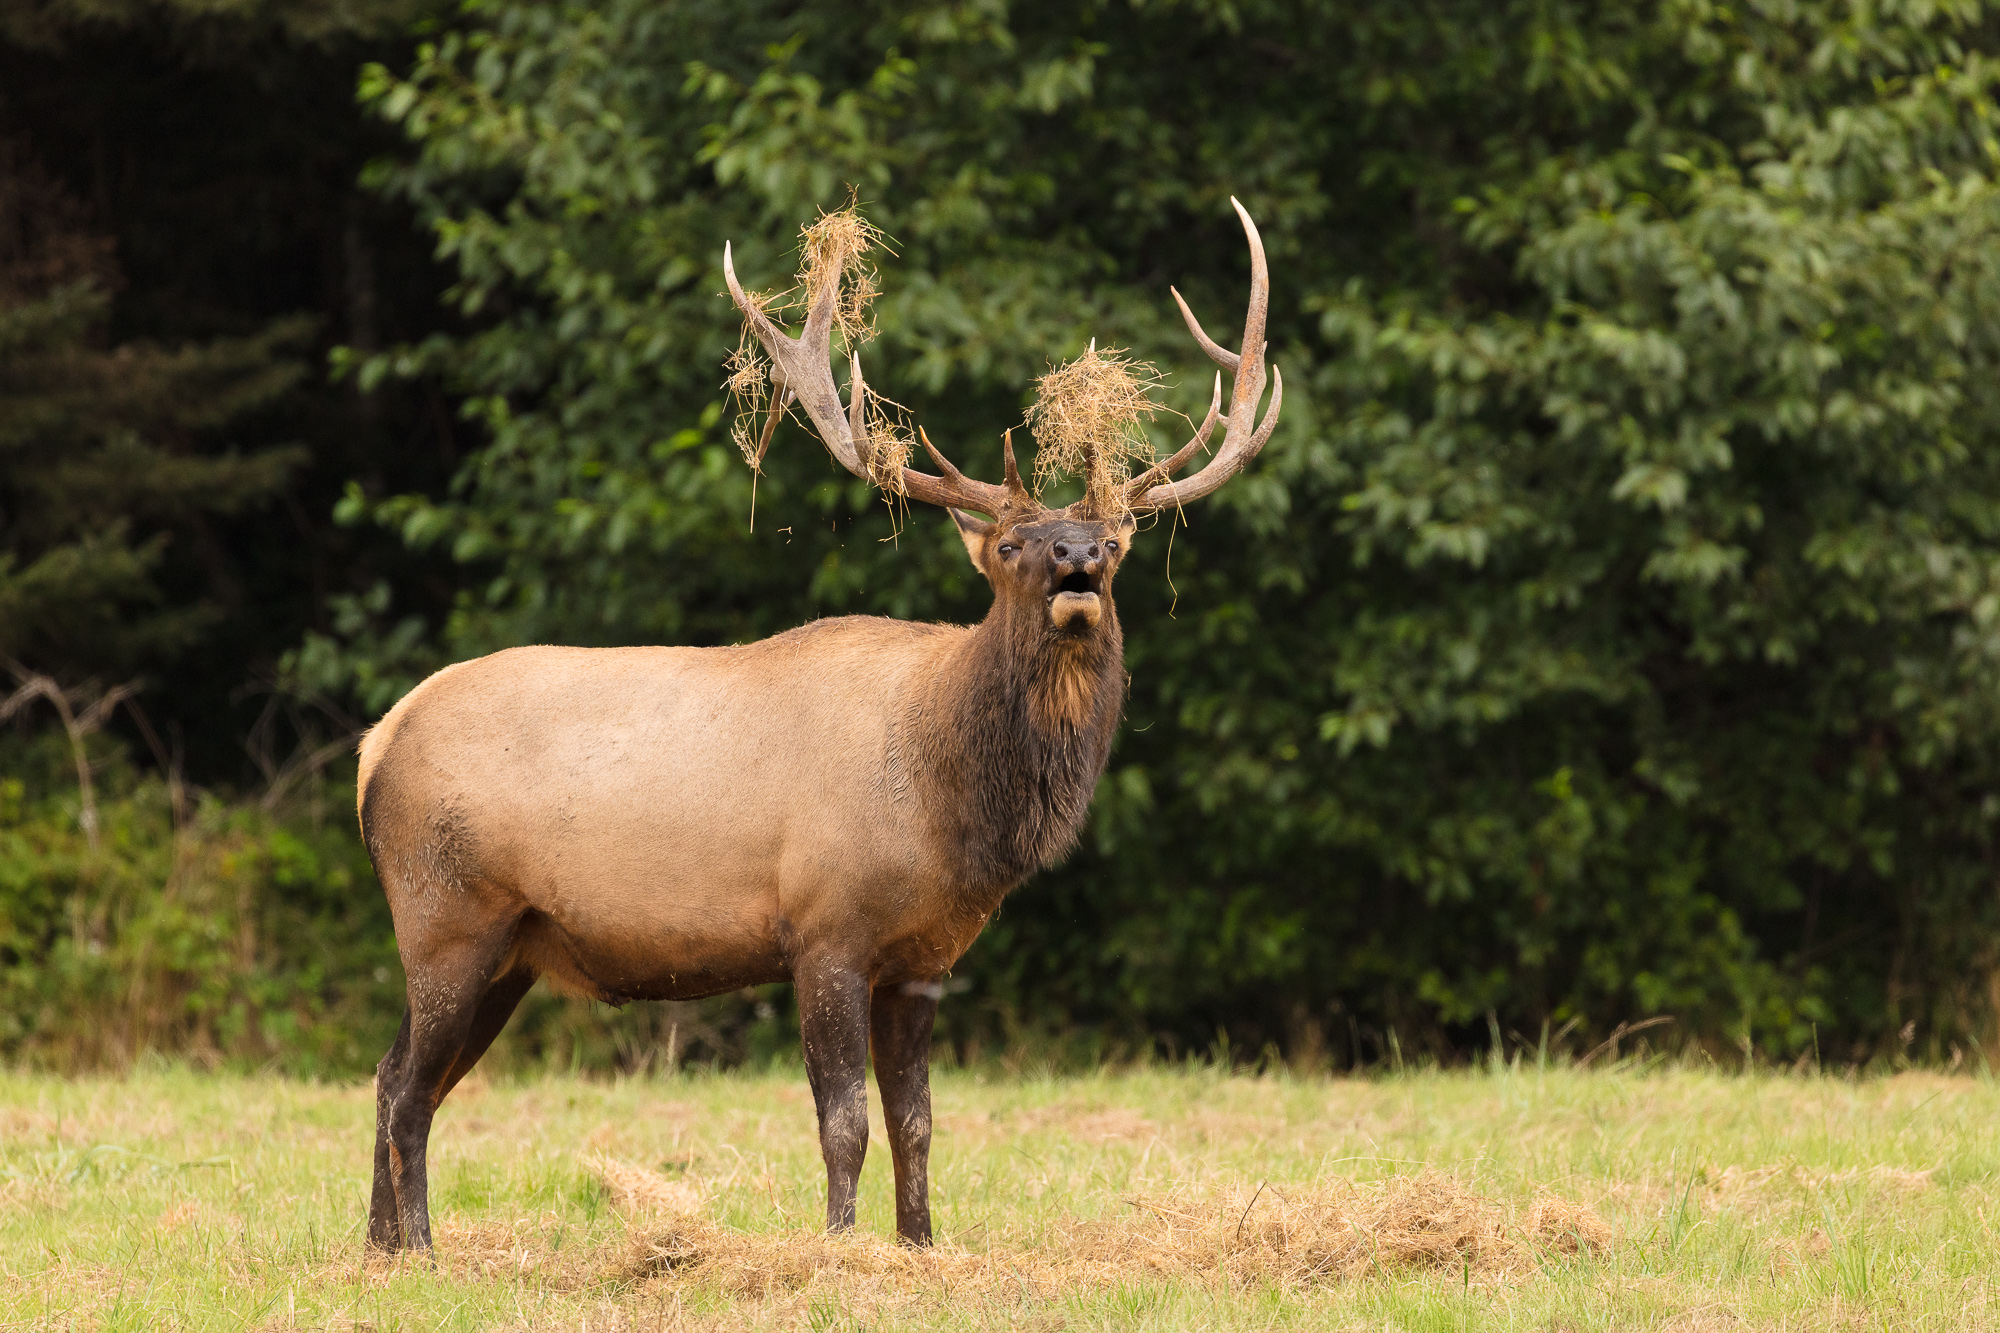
(1019, 728)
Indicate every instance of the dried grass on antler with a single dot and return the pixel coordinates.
(1089, 422)
(889, 444)
(833, 255)
(835, 250)
(749, 386)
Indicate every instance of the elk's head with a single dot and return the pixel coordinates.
(1049, 564)
(1052, 564)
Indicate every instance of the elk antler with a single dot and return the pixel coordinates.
(1240, 442)
(802, 368)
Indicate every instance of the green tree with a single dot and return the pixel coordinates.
(1609, 628)
(212, 152)
(111, 455)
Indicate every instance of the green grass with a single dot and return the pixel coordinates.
(181, 1200)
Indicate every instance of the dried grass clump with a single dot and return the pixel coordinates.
(1301, 1237)
(1762, 1188)
(749, 386)
(1295, 1237)
(834, 251)
(27, 1192)
(749, 1265)
(519, 1248)
(1089, 422)
(1897, 1178)
(659, 1250)
(634, 1189)
(542, 1247)
(1557, 1225)
(886, 449)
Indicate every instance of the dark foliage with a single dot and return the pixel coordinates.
(207, 161)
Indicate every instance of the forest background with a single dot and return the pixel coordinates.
(1610, 632)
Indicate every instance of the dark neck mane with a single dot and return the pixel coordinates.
(1016, 732)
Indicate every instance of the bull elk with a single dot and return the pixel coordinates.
(842, 806)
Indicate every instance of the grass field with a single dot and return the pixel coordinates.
(1159, 1199)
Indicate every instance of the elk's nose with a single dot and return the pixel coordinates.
(1076, 551)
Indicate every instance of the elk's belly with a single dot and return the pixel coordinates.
(683, 902)
(645, 903)
(680, 965)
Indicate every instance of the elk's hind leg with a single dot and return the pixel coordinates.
(900, 1022)
(833, 1027)
(456, 1010)
(385, 1230)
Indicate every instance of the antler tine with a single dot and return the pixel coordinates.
(857, 412)
(759, 321)
(1166, 467)
(945, 465)
(1013, 485)
(1217, 353)
(780, 400)
(803, 369)
(1244, 436)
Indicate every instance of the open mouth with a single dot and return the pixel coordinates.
(1074, 605)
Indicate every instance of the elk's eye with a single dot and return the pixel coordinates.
(1008, 548)
(1111, 546)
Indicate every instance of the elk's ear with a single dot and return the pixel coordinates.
(973, 532)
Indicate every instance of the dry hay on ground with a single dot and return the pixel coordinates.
(1327, 1233)
(1239, 1234)
(1292, 1236)
(1105, 1125)
(1761, 1191)
(1738, 1180)
(634, 1189)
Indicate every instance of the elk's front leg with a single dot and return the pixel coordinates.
(833, 1025)
(901, 1024)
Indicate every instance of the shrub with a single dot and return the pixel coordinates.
(242, 936)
